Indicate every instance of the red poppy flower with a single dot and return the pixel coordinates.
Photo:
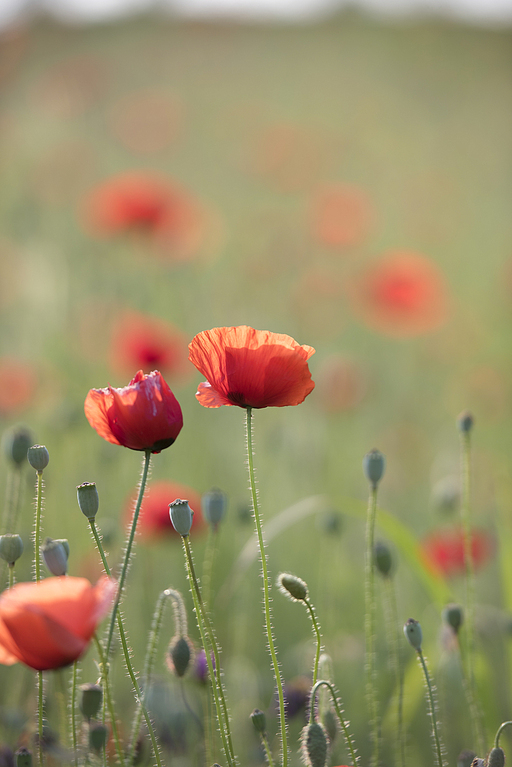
(145, 415)
(139, 341)
(403, 294)
(154, 520)
(444, 550)
(49, 624)
(250, 368)
(18, 382)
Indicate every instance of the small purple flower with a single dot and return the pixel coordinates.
(201, 667)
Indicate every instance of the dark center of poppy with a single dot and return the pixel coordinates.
(237, 398)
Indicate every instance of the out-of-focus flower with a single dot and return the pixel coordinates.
(342, 215)
(340, 384)
(296, 695)
(18, 382)
(443, 550)
(250, 368)
(402, 294)
(154, 520)
(145, 415)
(287, 155)
(201, 667)
(49, 624)
(146, 120)
(70, 87)
(140, 342)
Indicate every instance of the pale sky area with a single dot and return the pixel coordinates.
(476, 11)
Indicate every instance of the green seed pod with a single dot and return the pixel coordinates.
(179, 655)
(55, 554)
(292, 587)
(413, 633)
(465, 421)
(38, 457)
(453, 615)
(259, 721)
(98, 736)
(91, 699)
(314, 745)
(88, 499)
(374, 466)
(214, 504)
(16, 442)
(23, 758)
(495, 758)
(11, 547)
(383, 558)
(181, 516)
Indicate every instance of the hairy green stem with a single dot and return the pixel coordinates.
(11, 575)
(266, 747)
(316, 629)
(344, 725)
(40, 705)
(497, 738)
(432, 708)
(266, 589)
(108, 698)
(394, 643)
(209, 556)
(73, 713)
(369, 624)
(37, 527)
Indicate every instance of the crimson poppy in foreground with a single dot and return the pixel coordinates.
(145, 415)
(250, 368)
(443, 550)
(154, 520)
(49, 624)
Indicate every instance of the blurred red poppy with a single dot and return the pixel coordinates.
(341, 215)
(443, 550)
(340, 384)
(49, 624)
(18, 382)
(154, 520)
(142, 342)
(145, 415)
(250, 368)
(403, 294)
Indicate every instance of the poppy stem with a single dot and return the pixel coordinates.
(73, 713)
(369, 622)
(266, 588)
(128, 550)
(432, 707)
(316, 629)
(339, 714)
(500, 729)
(108, 697)
(11, 575)
(37, 526)
(391, 610)
(40, 714)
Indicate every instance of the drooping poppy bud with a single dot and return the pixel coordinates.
(16, 443)
(292, 587)
(383, 558)
(259, 721)
(91, 699)
(179, 655)
(413, 633)
(315, 745)
(453, 615)
(98, 736)
(55, 554)
(214, 504)
(465, 421)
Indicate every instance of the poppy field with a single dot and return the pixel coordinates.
(255, 393)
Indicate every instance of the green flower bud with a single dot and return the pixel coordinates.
(495, 758)
(465, 421)
(179, 655)
(214, 504)
(91, 699)
(55, 554)
(259, 721)
(413, 633)
(292, 587)
(181, 516)
(315, 745)
(23, 758)
(374, 465)
(383, 558)
(38, 457)
(16, 442)
(330, 722)
(88, 499)
(98, 736)
(453, 615)
(11, 547)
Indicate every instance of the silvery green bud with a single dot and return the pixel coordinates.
(88, 499)
(413, 633)
(16, 442)
(495, 758)
(11, 547)
(179, 655)
(91, 699)
(55, 554)
(38, 457)
(292, 587)
(214, 504)
(181, 516)
(23, 758)
(374, 465)
(465, 421)
(259, 721)
(98, 736)
(453, 615)
(315, 745)
(383, 558)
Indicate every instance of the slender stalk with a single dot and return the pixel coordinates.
(369, 623)
(316, 629)
(108, 698)
(209, 556)
(497, 738)
(37, 527)
(266, 747)
(11, 575)
(344, 725)
(266, 589)
(40, 705)
(432, 708)
(73, 713)
(12, 500)
(221, 710)
(128, 551)
(394, 643)
(61, 696)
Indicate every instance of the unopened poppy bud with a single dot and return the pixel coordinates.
(292, 587)
(259, 721)
(23, 758)
(374, 465)
(413, 633)
(453, 615)
(315, 745)
(98, 735)
(330, 722)
(465, 421)
(179, 654)
(495, 758)
(11, 547)
(38, 457)
(91, 699)
(383, 558)
(214, 504)
(55, 554)
(88, 499)
(16, 443)
(181, 516)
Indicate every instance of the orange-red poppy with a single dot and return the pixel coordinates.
(145, 415)
(49, 624)
(18, 383)
(154, 520)
(402, 294)
(142, 342)
(250, 368)
(443, 550)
